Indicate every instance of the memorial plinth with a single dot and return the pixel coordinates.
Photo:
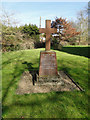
(48, 64)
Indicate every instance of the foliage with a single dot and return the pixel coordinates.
(81, 24)
(73, 40)
(73, 32)
(65, 29)
(11, 38)
(55, 44)
(30, 30)
(37, 42)
(25, 37)
(67, 104)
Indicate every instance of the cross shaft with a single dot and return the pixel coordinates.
(48, 30)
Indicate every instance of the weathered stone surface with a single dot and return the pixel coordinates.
(48, 64)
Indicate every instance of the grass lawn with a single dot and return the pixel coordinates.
(82, 50)
(43, 105)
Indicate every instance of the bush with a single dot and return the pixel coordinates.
(54, 43)
(39, 44)
(10, 47)
(30, 29)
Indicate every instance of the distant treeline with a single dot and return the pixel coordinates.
(23, 37)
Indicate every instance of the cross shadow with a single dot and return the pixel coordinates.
(32, 71)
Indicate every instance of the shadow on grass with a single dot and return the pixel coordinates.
(32, 71)
(37, 103)
(81, 51)
(10, 60)
(58, 104)
(17, 72)
(51, 102)
(12, 82)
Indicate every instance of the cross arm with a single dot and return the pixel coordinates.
(42, 30)
(47, 30)
(53, 30)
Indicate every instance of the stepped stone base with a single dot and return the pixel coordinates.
(28, 84)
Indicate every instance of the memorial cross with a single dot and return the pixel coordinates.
(48, 30)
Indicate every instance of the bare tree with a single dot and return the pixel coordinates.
(8, 18)
(82, 24)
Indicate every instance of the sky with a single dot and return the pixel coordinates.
(30, 12)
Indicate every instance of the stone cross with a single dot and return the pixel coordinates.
(48, 30)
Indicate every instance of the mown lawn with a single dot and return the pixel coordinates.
(43, 105)
(81, 50)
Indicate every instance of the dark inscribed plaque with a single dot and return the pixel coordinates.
(48, 64)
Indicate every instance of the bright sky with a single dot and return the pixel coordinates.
(30, 12)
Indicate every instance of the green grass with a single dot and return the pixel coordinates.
(77, 45)
(43, 105)
(81, 50)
